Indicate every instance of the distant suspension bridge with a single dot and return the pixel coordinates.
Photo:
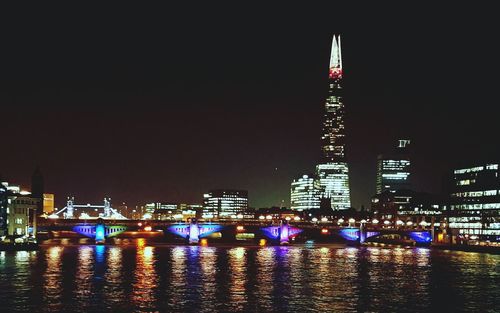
(68, 212)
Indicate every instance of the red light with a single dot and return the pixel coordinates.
(324, 231)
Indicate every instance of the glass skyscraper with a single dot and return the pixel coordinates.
(333, 171)
(305, 192)
(393, 171)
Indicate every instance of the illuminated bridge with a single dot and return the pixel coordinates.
(68, 212)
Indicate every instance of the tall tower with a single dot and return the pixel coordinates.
(333, 172)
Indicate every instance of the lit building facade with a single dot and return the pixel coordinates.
(474, 204)
(305, 193)
(224, 203)
(21, 217)
(393, 171)
(333, 171)
(3, 209)
(48, 203)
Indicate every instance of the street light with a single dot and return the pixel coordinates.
(386, 222)
(314, 219)
(374, 221)
(262, 217)
(324, 219)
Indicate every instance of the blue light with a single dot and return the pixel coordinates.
(351, 234)
(421, 236)
(99, 232)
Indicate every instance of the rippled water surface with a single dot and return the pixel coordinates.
(142, 278)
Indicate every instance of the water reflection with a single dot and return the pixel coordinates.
(139, 277)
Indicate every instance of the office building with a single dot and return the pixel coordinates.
(333, 171)
(48, 203)
(3, 209)
(21, 217)
(305, 193)
(393, 170)
(224, 203)
(474, 201)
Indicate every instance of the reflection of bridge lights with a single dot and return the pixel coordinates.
(386, 222)
(324, 219)
(269, 217)
(262, 217)
(374, 221)
(240, 228)
(262, 242)
(296, 218)
(324, 231)
(314, 219)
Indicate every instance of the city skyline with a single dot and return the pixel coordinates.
(158, 122)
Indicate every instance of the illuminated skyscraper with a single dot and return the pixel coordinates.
(333, 172)
(305, 193)
(393, 171)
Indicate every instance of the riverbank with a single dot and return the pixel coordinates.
(468, 248)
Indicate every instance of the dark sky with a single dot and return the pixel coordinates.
(164, 103)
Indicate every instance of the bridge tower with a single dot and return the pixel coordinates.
(70, 207)
(107, 207)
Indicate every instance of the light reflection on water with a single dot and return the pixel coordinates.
(139, 277)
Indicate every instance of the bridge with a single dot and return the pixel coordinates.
(280, 232)
(68, 212)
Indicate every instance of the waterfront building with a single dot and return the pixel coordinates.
(21, 215)
(474, 201)
(224, 203)
(333, 171)
(305, 193)
(48, 203)
(406, 205)
(393, 170)
(3, 210)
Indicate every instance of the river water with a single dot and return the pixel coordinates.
(138, 277)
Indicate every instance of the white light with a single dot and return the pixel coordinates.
(423, 223)
(53, 216)
(314, 219)
(375, 221)
(399, 222)
(386, 222)
(233, 216)
(363, 221)
(262, 217)
(269, 217)
(239, 216)
(84, 216)
(351, 220)
(296, 218)
(287, 218)
(324, 219)
(409, 223)
(147, 216)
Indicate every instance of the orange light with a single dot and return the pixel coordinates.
(147, 228)
(262, 242)
(204, 242)
(324, 231)
(139, 224)
(240, 228)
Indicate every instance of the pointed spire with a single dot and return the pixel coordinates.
(340, 54)
(334, 57)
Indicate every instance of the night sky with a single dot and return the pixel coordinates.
(164, 103)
